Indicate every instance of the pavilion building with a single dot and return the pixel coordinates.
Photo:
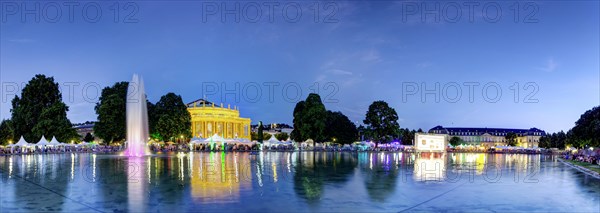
(488, 137)
(209, 119)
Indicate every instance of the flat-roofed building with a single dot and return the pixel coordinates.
(488, 137)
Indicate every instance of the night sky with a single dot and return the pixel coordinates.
(539, 66)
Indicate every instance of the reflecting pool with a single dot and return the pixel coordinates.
(294, 181)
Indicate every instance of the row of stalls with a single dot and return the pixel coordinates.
(217, 142)
(43, 145)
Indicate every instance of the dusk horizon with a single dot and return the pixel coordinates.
(353, 62)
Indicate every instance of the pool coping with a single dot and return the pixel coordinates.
(581, 168)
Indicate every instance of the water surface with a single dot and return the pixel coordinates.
(294, 181)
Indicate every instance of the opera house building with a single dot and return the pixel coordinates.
(209, 119)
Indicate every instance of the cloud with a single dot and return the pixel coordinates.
(371, 56)
(340, 72)
(550, 66)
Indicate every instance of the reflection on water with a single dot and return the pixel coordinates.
(136, 184)
(430, 167)
(218, 177)
(304, 181)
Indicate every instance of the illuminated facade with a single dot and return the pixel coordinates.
(427, 142)
(209, 119)
(488, 137)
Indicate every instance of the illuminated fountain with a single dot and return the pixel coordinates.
(137, 118)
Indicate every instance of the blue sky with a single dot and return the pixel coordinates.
(365, 51)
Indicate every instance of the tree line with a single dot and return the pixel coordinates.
(38, 111)
(585, 133)
(168, 119)
(313, 121)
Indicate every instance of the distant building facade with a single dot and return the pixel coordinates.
(209, 119)
(84, 128)
(488, 137)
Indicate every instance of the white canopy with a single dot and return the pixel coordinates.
(272, 141)
(197, 140)
(215, 138)
(54, 142)
(42, 142)
(21, 143)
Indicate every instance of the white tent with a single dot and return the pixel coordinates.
(42, 142)
(197, 140)
(54, 142)
(215, 138)
(272, 141)
(21, 143)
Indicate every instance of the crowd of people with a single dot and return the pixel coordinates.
(204, 147)
(582, 155)
(59, 149)
(588, 156)
(507, 151)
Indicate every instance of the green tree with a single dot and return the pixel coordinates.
(6, 132)
(41, 111)
(111, 111)
(511, 139)
(407, 136)
(174, 121)
(53, 121)
(152, 118)
(382, 120)
(455, 141)
(282, 136)
(253, 136)
(545, 142)
(586, 131)
(559, 140)
(260, 137)
(340, 129)
(313, 119)
(310, 117)
(266, 136)
(88, 137)
(296, 134)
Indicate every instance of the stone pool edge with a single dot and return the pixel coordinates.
(581, 168)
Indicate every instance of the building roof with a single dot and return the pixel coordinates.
(199, 102)
(84, 126)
